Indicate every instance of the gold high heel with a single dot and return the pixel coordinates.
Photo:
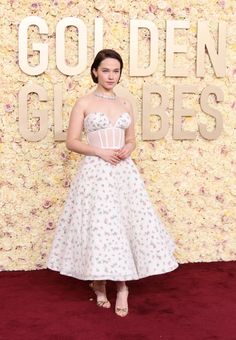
(100, 303)
(122, 311)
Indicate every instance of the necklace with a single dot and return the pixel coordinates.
(104, 96)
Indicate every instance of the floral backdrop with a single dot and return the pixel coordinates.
(192, 184)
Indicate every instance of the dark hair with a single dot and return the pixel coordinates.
(101, 55)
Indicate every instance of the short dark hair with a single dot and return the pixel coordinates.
(101, 55)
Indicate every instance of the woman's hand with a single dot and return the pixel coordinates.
(125, 151)
(115, 156)
(109, 155)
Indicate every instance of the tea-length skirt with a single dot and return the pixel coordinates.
(108, 228)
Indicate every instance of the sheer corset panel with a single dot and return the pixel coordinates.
(108, 138)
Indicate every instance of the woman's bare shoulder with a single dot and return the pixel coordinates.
(83, 101)
(126, 103)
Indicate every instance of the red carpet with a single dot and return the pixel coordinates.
(196, 301)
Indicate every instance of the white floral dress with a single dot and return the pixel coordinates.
(108, 228)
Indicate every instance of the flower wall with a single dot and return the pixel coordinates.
(192, 183)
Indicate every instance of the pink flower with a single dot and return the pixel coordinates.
(50, 163)
(221, 3)
(9, 107)
(224, 150)
(64, 156)
(152, 145)
(220, 198)
(35, 5)
(200, 151)
(49, 226)
(70, 85)
(66, 184)
(187, 9)
(33, 211)
(47, 204)
(202, 191)
(152, 8)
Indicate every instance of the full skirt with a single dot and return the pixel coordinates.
(109, 228)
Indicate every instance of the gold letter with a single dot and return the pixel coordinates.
(135, 24)
(180, 112)
(98, 39)
(171, 49)
(160, 111)
(219, 95)
(60, 46)
(42, 48)
(59, 134)
(23, 113)
(204, 40)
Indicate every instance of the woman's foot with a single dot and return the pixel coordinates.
(121, 307)
(99, 289)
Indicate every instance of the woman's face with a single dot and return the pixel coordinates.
(108, 73)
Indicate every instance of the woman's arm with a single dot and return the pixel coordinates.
(130, 131)
(74, 131)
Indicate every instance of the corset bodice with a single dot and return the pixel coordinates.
(103, 133)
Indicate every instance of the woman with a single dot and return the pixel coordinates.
(109, 229)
